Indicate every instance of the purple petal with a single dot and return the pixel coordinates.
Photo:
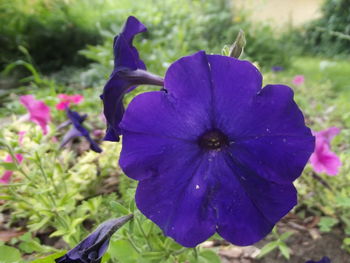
(181, 208)
(188, 79)
(125, 54)
(70, 135)
(143, 154)
(282, 161)
(159, 113)
(323, 260)
(247, 205)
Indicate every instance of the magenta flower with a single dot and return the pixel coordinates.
(39, 112)
(6, 176)
(214, 152)
(66, 100)
(323, 159)
(298, 80)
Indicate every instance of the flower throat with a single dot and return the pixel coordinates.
(213, 140)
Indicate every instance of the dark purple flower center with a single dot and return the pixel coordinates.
(213, 140)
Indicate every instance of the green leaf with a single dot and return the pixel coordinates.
(286, 235)
(268, 248)
(343, 201)
(284, 250)
(122, 251)
(326, 223)
(209, 256)
(119, 208)
(153, 255)
(9, 254)
(51, 258)
(9, 166)
(346, 241)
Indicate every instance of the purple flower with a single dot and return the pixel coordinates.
(277, 68)
(129, 71)
(77, 130)
(92, 248)
(216, 152)
(323, 260)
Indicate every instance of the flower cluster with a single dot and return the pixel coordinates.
(213, 151)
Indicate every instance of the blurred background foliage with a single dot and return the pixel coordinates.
(65, 46)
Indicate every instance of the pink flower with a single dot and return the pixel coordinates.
(6, 176)
(323, 159)
(66, 100)
(39, 112)
(298, 80)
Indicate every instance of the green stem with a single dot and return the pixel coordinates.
(143, 233)
(133, 244)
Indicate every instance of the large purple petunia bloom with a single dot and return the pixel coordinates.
(216, 152)
(129, 71)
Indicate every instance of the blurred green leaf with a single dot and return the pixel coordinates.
(284, 250)
(209, 256)
(51, 258)
(326, 223)
(268, 248)
(9, 254)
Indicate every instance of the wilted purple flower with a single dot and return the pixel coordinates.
(92, 248)
(323, 260)
(216, 152)
(277, 68)
(77, 130)
(129, 71)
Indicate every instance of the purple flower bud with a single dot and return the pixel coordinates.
(92, 248)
